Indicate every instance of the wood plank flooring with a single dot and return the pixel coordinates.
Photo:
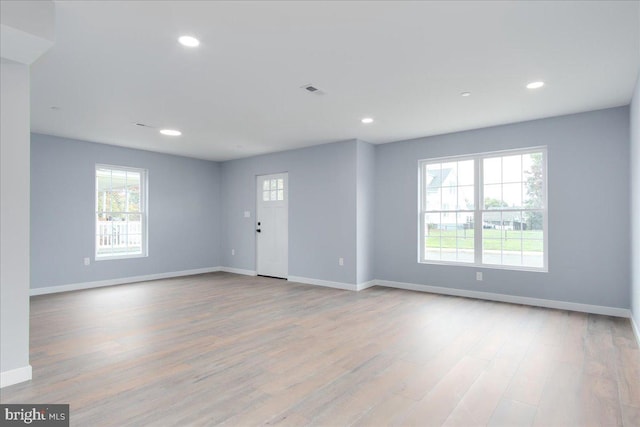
(223, 349)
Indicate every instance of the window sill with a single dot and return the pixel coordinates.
(118, 257)
(487, 266)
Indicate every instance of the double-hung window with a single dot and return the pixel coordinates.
(121, 212)
(485, 209)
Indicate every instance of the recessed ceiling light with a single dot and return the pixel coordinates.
(189, 41)
(465, 94)
(535, 85)
(367, 120)
(170, 132)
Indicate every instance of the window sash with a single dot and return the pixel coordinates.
(118, 237)
(479, 211)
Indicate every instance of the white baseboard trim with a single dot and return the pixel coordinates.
(364, 285)
(537, 302)
(325, 283)
(239, 271)
(15, 376)
(120, 281)
(636, 329)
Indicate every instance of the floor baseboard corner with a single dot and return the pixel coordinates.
(636, 328)
(325, 283)
(15, 376)
(365, 285)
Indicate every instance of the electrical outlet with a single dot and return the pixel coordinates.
(87, 261)
(233, 251)
(340, 261)
(479, 276)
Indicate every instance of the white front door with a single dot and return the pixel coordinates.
(272, 225)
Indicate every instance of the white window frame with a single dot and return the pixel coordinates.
(144, 212)
(478, 208)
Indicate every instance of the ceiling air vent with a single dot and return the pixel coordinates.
(312, 89)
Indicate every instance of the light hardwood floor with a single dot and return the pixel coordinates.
(226, 349)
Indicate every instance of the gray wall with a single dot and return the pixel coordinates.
(184, 212)
(635, 210)
(351, 200)
(365, 175)
(588, 183)
(14, 216)
(322, 210)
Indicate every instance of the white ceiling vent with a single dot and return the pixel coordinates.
(312, 89)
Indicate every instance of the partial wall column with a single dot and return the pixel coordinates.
(26, 32)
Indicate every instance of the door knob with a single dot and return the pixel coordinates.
(258, 230)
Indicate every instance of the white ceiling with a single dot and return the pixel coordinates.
(405, 64)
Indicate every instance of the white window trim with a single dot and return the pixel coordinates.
(144, 212)
(478, 205)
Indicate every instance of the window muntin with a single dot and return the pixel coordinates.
(512, 216)
(449, 210)
(505, 230)
(121, 226)
(273, 190)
